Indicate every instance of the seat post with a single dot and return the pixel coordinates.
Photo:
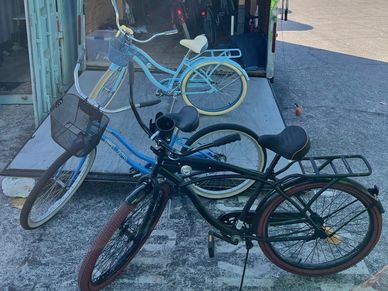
(268, 172)
(187, 54)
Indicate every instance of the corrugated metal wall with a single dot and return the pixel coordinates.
(8, 10)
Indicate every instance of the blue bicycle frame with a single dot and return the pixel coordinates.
(171, 85)
(115, 138)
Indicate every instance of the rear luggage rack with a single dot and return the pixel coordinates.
(335, 166)
(233, 53)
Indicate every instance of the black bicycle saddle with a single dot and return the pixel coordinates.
(187, 119)
(292, 143)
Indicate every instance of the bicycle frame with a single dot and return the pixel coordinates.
(268, 178)
(187, 64)
(113, 138)
(144, 169)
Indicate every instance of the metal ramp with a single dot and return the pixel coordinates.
(259, 112)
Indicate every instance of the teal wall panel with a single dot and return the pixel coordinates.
(53, 50)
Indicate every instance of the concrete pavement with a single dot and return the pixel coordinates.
(332, 59)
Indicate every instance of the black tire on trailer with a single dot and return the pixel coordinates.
(210, 28)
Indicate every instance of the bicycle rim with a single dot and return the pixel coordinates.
(254, 158)
(345, 214)
(214, 88)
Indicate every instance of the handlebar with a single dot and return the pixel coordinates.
(226, 139)
(94, 103)
(168, 32)
(114, 4)
(129, 32)
(174, 153)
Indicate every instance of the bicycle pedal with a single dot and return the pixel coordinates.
(210, 244)
(159, 93)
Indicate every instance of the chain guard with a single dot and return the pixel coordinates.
(230, 219)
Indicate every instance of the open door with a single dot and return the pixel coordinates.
(67, 24)
(53, 50)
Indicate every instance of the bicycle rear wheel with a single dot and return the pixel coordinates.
(55, 188)
(122, 238)
(350, 220)
(214, 88)
(254, 157)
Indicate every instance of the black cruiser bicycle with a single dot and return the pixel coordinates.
(313, 223)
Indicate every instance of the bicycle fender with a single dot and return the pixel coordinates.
(290, 184)
(202, 60)
(300, 180)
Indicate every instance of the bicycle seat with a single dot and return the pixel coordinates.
(292, 143)
(197, 45)
(187, 119)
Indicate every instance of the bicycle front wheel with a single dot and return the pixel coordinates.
(214, 88)
(350, 221)
(121, 238)
(55, 188)
(254, 157)
(108, 85)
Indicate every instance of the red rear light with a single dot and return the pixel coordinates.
(203, 13)
(179, 11)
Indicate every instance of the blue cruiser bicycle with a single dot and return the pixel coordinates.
(209, 80)
(83, 119)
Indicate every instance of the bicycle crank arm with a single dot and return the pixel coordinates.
(234, 241)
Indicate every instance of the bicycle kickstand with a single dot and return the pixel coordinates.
(248, 245)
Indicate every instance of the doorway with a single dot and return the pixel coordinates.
(15, 75)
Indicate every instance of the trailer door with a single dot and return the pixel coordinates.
(53, 50)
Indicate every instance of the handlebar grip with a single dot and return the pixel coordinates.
(226, 139)
(148, 103)
(170, 32)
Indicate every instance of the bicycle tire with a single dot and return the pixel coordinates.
(184, 30)
(51, 201)
(196, 91)
(127, 210)
(317, 257)
(209, 27)
(108, 85)
(255, 158)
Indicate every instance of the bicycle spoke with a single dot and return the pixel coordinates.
(122, 242)
(345, 223)
(222, 82)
